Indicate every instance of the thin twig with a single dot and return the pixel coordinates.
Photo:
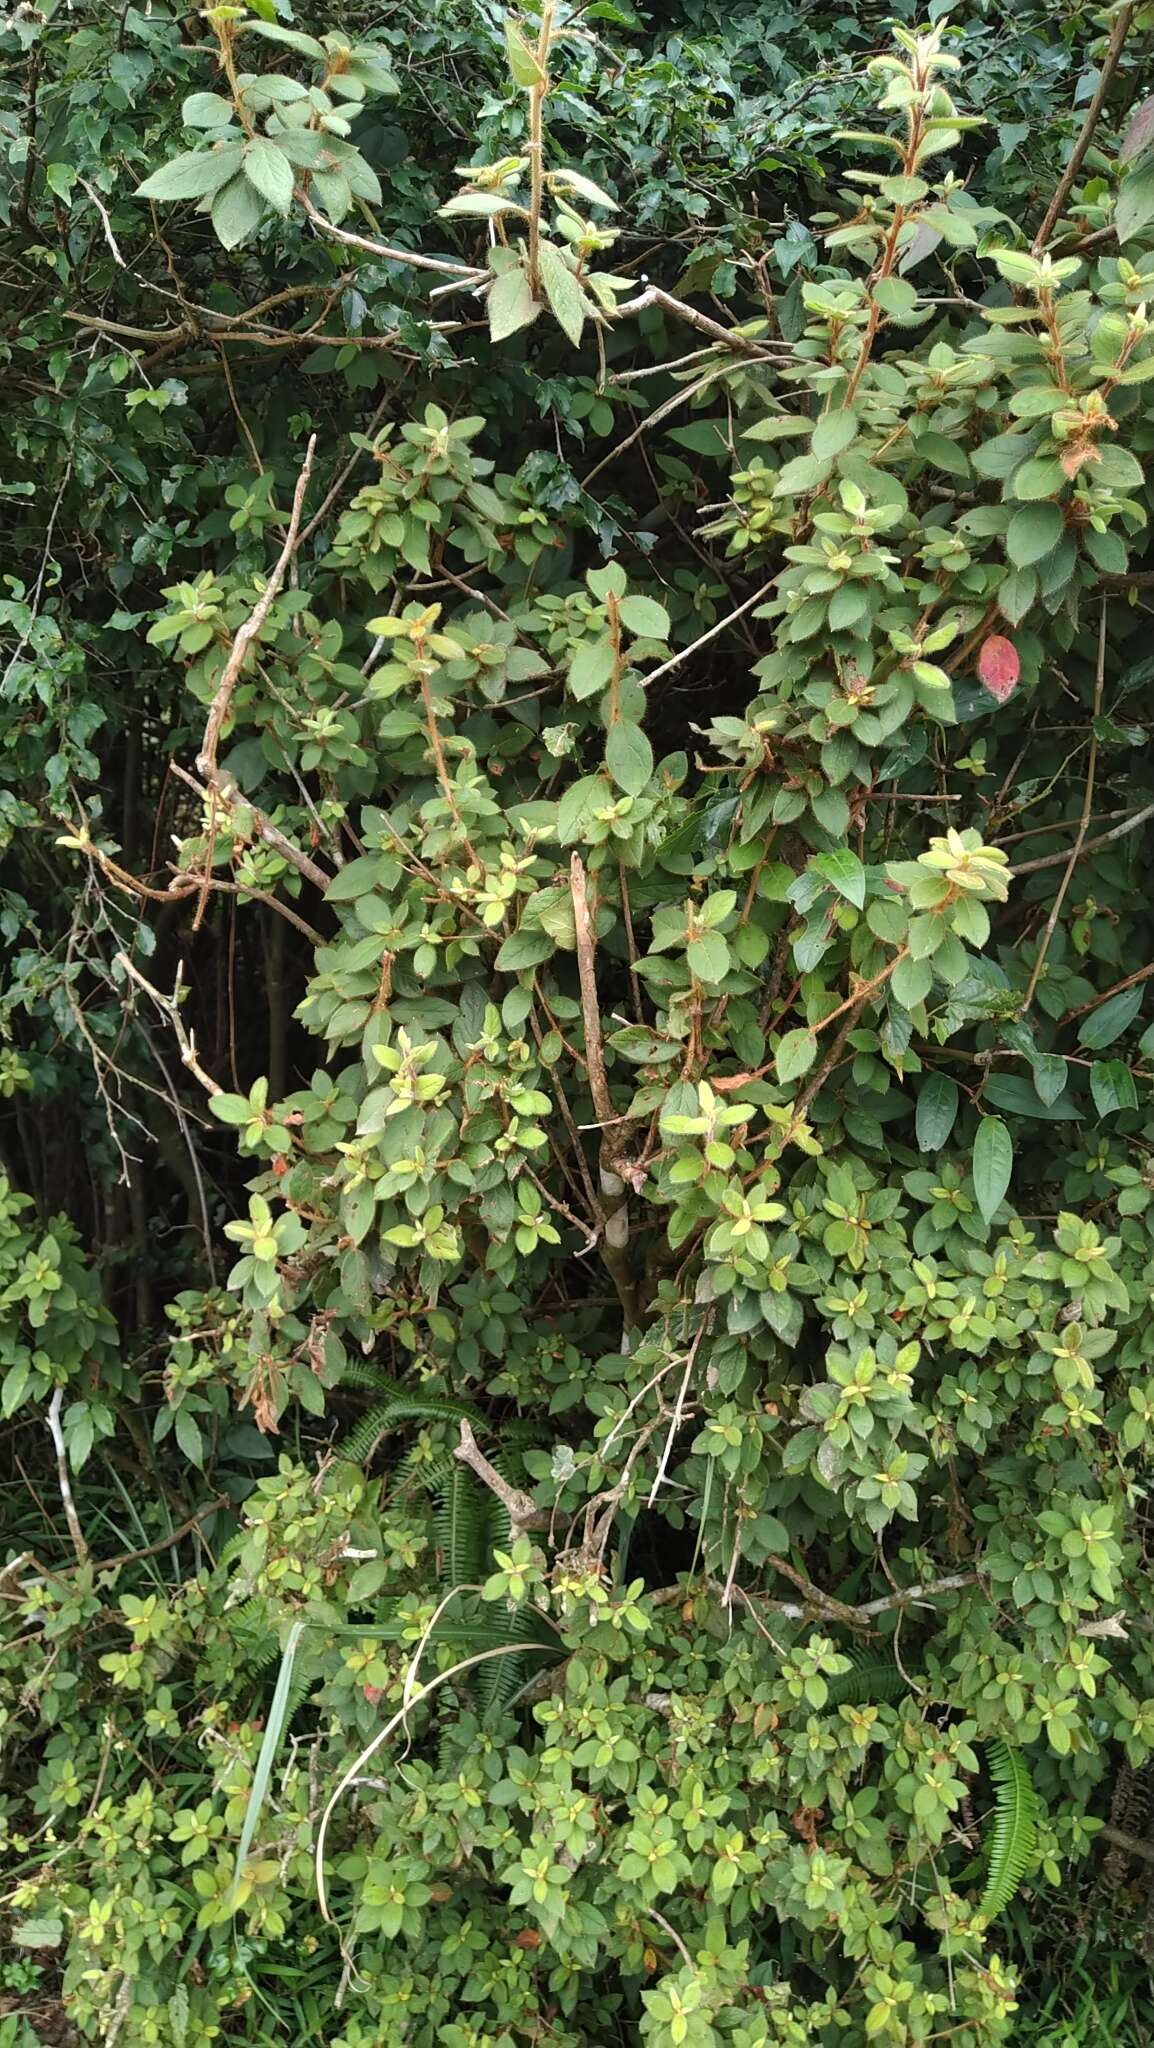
(1116, 989)
(105, 223)
(169, 1006)
(250, 630)
(676, 660)
(614, 1191)
(264, 829)
(1118, 35)
(703, 1327)
(467, 273)
(729, 337)
(1055, 860)
(1087, 809)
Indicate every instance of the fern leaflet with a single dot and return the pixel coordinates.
(1014, 1833)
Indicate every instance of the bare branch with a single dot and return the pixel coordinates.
(467, 273)
(521, 1508)
(248, 632)
(63, 1479)
(169, 1007)
(1118, 34)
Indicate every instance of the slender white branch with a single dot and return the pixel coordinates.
(63, 1479)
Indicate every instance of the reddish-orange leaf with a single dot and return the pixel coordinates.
(999, 667)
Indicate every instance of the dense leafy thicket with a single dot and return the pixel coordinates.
(576, 1385)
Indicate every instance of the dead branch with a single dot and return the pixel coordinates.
(521, 1508)
(169, 1007)
(64, 1481)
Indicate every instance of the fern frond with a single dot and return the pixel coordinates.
(873, 1680)
(358, 1445)
(1014, 1833)
(497, 1682)
(461, 1520)
(368, 1378)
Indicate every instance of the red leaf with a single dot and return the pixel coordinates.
(1139, 133)
(999, 667)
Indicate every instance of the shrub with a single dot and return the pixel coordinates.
(724, 1587)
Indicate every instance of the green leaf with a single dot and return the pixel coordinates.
(993, 1164)
(511, 304)
(193, 175)
(578, 805)
(895, 294)
(1135, 205)
(523, 66)
(1110, 1019)
(911, 982)
(292, 38)
(591, 667)
(1013, 1835)
(708, 958)
(45, 1931)
(628, 757)
(936, 1112)
(270, 1743)
(645, 617)
(236, 212)
(847, 606)
(525, 948)
(795, 1055)
(1041, 477)
(1019, 1097)
(206, 110)
(833, 432)
(563, 292)
(187, 1432)
(1112, 1087)
(844, 872)
(1050, 1072)
(1017, 592)
(1034, 531)
(269, 172)
(231, 1109)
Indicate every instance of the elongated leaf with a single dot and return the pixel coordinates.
(193, 175)
(628, 757)
(1033, 532)
(563, 292)
(293, 38)
(274, 1729)
(1110, 1019)
(511, 304)
(1112, 1087)
(237, 212)
(993, 1164)
(936, 1111)
(591, 667)
(1135, 208)
(833, 432)
(269, 172)
(1018, 1096)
